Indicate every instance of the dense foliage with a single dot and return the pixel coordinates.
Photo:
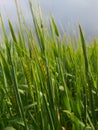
(47, 82)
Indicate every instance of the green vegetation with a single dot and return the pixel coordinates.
(47, 82)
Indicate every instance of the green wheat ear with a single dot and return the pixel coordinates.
(84, 49)
(55, 27)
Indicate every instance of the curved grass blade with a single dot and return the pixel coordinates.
(55, 27)
(88, 77)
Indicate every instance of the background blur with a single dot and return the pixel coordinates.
(68, 13)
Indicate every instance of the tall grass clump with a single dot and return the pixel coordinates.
(45, 82)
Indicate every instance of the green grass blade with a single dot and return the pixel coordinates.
(88, 77)
(12, 31)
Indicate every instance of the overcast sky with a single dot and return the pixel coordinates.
(66, 12)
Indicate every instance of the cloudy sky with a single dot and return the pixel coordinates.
(66, 12)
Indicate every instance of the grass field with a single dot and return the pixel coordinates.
(47, 82)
